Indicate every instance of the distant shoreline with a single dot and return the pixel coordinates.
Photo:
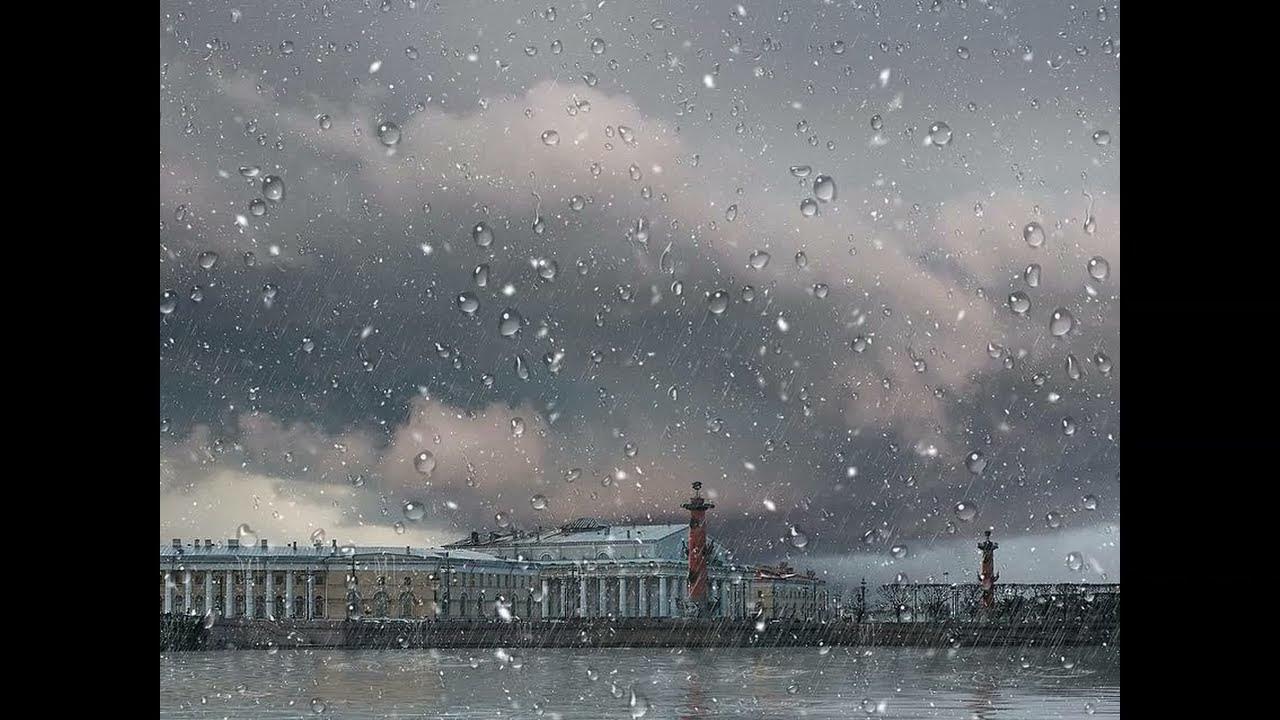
(187, 633)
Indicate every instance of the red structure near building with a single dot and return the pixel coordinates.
(987, 577)
(698, 551)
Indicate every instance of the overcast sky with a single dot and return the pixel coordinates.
(626, 164)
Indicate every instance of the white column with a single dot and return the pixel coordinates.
(622, 596)
(168, 592)
(270, 598)
(582, 596)
(644, 597)
(208, 591)
(229, 595)
(664, 600)
(288, 594)
(603, 610)
(564, 597)
(311, 591)
(186, 591)
(248, 592)
(546, 598)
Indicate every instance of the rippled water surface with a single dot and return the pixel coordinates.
(560, 683)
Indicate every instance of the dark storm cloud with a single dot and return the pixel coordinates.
(371, 245)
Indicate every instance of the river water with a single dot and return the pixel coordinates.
(986, 683)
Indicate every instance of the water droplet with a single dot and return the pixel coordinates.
(168, 301)
(517, 427)
(208, 259)
(414, 511)
(1032, 275)
(522, 368)
(1075, 561)
(718, 302)
(1073, 367)
(269, 292)
(502, 519)
(966, 511)
(547, 269)
(1099, 268)
(246, 535)
(1102, 137)
(1103, 362)
(318, 706)
(797, 537)
(1061, 322)
(257, 207)
(389, 133)
(250, 259)
(859, 344)
(572, 474)
(509, 322)
(808, 207)
(820, 290)
(801, 171)
(1090, 502)
(480, 276)
(597, 46)
(550, 138)
(325, 122)
(317, 537)
(898, 551)
(976, 462)
(824, 188)
(539, 502)
(1033, 234)
(273, 188)
(638, 704)
(759, 259)
(939, 134)
(877, 122)
(424, 462)
(1068, 426)
(963, 52)
(1053, 520)
(482, 234)
(731, 213)
(197, 294)
(468, 302)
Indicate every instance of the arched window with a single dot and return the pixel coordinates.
(318, 607)
(464, 604)
(279, 609)
(381, 604)
(406, 604)
(545, 556)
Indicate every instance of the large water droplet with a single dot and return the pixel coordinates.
(759, 259)
(517, 427)
(638, 704)
(797, 537)
(550, 138)
(731, 213)
(939, 134)
(246, 535)
(273, 188)
(597, 46)
(630, 449)
(318, 706)
(208, 259)
(824, 188)
(257, 207)
(424, 462)
(388, 133)
(859, 344)
(480, 276)
(1033, 234)
(414, 511)
(976, 462)
(538, 502)
(1099, 269)
(1019, 302)
(1032, 275)
(509, 322)
(966, 511)
(1102, 137)
(1068, 426)
(1090, 502)
(482, 234)
(502, 519)
(1061, 322)
(801, 171)
(168, 301)
(1075, 561)
(1053, 520)
(468, 302)
(718, 302)
(808, 207)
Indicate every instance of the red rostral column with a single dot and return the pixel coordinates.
(698, 507)
(987, 577)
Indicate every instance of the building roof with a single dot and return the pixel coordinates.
(325, 552)
(581, 530)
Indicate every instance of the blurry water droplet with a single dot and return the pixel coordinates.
(939, 134)
(246, 535)
(1102, 137)
(522, 368)
(638, 704)
(572, 474)
(424, 462)
(731, 214)
(509, 322)
(898, 551)
(1032, 275)
(1073, 367)
(317, 537)
(797, 537)
(1053, 520)
(630, 449)
(966, 511)
(801, 171)
(859, 344)
(1075, 561)
(1033, 234)
(318, 706)
(168, 301)
(808, 207)
(414, 511)
(820, 290)
(257, 207)
(1099, 269)
(1019, 302)
(976, 462)
(208, 259)
(482, 234)
(538, 502)
(759, 259)
(517, 427)
(1068, 426)
(1090, 502)
(389, 133)
(325, 122)
(502, 519)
